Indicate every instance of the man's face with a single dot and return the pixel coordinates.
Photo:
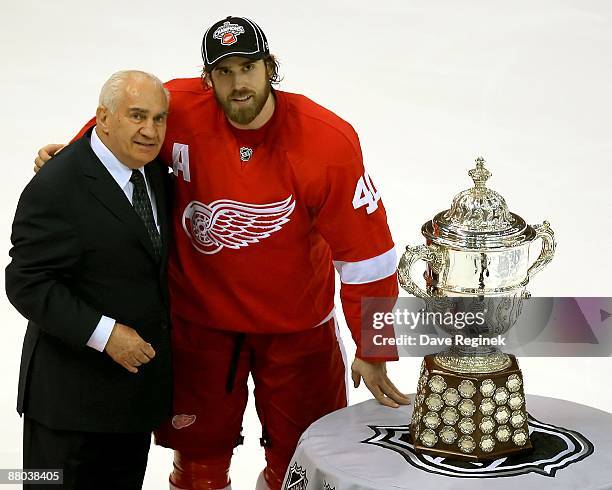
(241, 87)
(136, 130)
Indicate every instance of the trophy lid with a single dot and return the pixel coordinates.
(479, 218)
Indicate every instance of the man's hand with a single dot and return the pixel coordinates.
(45, 154)
(375, 377)
(127, 348)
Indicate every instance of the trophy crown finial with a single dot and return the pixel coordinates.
(480, 174)
(479, 209)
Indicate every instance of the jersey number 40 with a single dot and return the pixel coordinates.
(366, 194)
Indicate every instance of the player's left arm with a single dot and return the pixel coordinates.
(352, 219)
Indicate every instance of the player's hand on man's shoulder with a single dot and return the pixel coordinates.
(374, 375)
(46, 153)
(127, 348)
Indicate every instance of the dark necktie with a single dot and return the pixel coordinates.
(142, 205)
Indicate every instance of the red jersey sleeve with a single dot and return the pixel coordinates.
(352, 219)
(91, 123)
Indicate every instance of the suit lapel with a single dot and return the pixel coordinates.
(106, 190)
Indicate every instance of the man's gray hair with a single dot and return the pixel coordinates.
(112, 90)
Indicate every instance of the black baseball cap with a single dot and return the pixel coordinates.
(233, 36)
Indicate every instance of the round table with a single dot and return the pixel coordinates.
(366, 446)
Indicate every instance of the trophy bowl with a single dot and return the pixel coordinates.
(477, 256)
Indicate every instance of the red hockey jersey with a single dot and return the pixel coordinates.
(262, 217)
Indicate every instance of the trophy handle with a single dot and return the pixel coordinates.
(543, 231)
(430, 254)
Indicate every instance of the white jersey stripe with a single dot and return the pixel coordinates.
(368, 270)
(327, 318)
(344, 359)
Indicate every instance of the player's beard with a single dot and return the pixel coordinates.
(246, 114)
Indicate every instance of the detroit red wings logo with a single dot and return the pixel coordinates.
(233, 224)
(182, 421)
(228, 38)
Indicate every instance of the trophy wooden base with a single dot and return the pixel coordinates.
(473, 417)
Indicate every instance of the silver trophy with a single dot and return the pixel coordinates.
(477, 256)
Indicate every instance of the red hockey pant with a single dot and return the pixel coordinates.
(299, 377)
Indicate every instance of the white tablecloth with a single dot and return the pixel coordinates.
(365, 446)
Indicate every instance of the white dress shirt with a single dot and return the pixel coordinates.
(122, 174)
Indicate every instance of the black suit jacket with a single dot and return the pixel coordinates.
(80, 251)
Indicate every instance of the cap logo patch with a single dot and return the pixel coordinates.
(228, 33)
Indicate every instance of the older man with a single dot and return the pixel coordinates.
(88, 271)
